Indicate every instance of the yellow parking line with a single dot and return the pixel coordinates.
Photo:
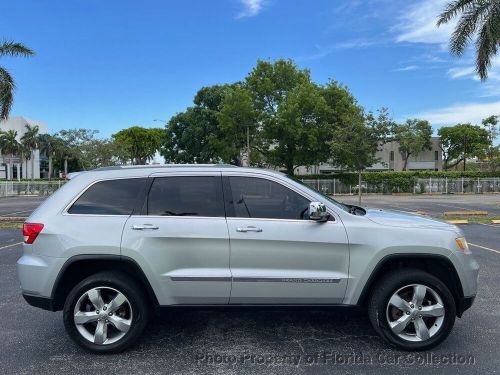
(485, 248)
(11, 245)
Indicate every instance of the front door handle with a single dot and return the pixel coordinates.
(144, 226)
(248, 229)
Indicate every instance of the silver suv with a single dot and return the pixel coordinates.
(114, 243)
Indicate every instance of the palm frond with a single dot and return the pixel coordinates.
(10, 48)
(452, 9)
(7, 86)
(486, 48)
(467, 26)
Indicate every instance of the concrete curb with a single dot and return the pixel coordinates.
(465, 213)
(457, 221)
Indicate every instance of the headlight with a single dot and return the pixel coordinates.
(462, 244)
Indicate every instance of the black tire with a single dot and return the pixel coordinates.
(391, 283)
(135, 296)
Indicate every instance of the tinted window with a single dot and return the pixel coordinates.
(260, 198)
(186, 196)
(112, 197)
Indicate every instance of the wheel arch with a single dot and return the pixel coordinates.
(78, 267)
(437, 265)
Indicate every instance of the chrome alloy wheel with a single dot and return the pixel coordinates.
(415, 312)
(103, 315)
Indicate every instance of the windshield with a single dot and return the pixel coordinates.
(331, 200)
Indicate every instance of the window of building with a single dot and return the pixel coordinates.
(436, 155)
(260, 198)
(111, 197)
(186, 196)
(391, 156)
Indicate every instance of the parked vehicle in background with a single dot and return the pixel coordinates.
(114, 243)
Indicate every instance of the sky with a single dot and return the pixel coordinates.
(111, 64)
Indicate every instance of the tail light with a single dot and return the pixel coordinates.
(31, 232)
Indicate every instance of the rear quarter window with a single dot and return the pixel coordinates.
(110, 197)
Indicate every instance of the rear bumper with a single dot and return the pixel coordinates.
(39, 301)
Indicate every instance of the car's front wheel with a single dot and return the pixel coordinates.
(412, 309)
(106, 312)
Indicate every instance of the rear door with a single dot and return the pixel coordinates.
(180, 239)
(278, 255)
(96, 218)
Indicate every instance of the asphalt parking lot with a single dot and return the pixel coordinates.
(270, 341)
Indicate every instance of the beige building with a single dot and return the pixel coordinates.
(16, 167)
(392, 160)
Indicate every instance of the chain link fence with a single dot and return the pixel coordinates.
(420, 186)
(24, 188)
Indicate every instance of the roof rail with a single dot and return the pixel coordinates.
(118, 167)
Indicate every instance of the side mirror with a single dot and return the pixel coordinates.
(317, 212)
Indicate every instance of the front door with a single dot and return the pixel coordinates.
(278, 256)
(181, 239)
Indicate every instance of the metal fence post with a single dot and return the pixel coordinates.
(446, 185)
(462, 185)
(333, 186)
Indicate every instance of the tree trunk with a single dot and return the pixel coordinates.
(289, 170)
(50, 166)
(65, 167)
(359, 188)
(248, 146)
(32, 164)
(406, 162)
(464, 163)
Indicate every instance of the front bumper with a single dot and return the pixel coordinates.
(464, 304)
(44, 303)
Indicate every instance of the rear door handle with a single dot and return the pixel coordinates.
(144, 226)
(248, 229)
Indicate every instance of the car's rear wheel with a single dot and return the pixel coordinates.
(106, 312)
(412, 309)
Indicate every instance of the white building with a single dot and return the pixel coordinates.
(392, 160)
(20, 167)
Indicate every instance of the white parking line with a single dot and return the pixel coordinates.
(485, 248)
(11, 245)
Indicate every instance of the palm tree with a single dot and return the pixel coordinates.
(479, 19)
(29, 140)
(9, 146)
(47, 145)
(7, 84)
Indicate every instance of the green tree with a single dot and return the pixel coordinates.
(29, 141)
(461, 142)
(84, 149)
(414, 136)
(47, 145)
(10, 147)
(490, 124)
(7, 83)
(237, 125)
(292, 115)
(137, 144)
(356, 142)
(188, 137)
(193, 136)
(478, 19)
